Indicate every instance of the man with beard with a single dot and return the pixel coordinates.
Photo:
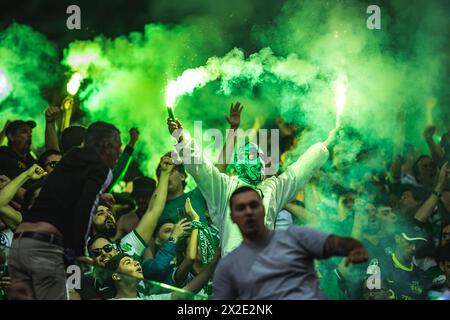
(217, 187)
(15, 158)
(105, 242)
(104, 222)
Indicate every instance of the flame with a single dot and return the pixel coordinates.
(74, 83)
(5, 87)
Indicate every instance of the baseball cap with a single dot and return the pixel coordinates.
(17, 124)
(411, 232)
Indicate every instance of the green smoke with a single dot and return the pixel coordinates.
(29, 62)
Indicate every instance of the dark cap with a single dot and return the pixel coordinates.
(15, 125)
(143, 187)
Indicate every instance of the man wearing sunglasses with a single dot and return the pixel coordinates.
(105, 244)
(49, 159)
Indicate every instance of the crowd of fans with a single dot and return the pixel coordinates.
(395, 201)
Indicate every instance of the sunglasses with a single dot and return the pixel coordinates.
(106, 248)
(51, 164)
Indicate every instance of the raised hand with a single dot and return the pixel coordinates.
(444, 174)
(357, 255)
(331, 136)
(429, 131)
(173, 125)
(36, 172)
(52, 114)
(181, 229)
(234, 119)
(166, 164)
(134, 136)
(190, 211)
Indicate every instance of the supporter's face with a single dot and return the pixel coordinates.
(104, 222)
(371, 224)
(408, 203)
(107, 251)
(408, 247)
(387, 218)
(446, 234)
(51, 162)
(21, 139)
(131, 268)
(164, 232)
(176, 179)
(427, 170)
(247, 211)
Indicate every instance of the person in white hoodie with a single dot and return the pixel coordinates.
(217, 187)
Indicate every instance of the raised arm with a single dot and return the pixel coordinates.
(51, 136)
(196, 284)
(7, 193)
(67, 107)
(124, 161)
(234, 119)
(435, 149)
(426, 209)
(191, 249)
(8, 214)
(297, 175)
(147, 224)
(212, 184)
(347, 247)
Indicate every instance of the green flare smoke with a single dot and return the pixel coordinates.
(28, 63)
(308, 47)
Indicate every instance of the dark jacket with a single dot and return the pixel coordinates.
(70, 196)
(12, 165)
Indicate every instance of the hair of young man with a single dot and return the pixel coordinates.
(242, 190)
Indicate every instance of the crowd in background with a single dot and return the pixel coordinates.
(394, 200)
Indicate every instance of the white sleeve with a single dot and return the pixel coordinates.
(285, 187)
(212, 184)
(133, 245)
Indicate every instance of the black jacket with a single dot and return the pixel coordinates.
(12, 165)
(70, 195)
